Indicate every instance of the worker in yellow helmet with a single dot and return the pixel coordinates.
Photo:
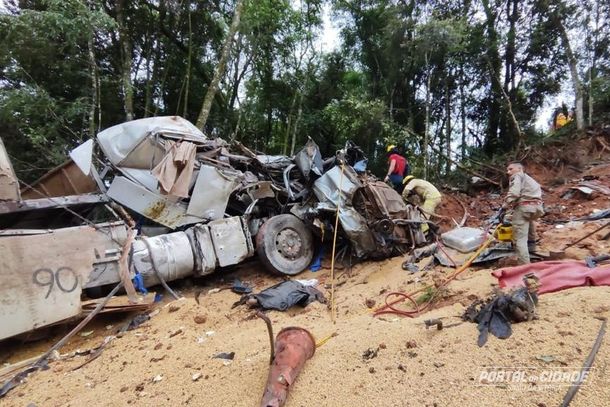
(428, 194)
(398, 167)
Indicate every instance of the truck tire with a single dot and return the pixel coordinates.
(284, 245)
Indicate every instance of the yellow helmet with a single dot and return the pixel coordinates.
(390, 147)
(406, 179)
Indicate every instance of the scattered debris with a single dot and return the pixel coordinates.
(240, 288)
(173, 308)
(196, 376)
(200, 319)
(283, 296)
(176, 332)
(224, 355)
(495, 314)
(433, 322)
(370, 353)
(546, 358)
(157, 378)
(137, 321)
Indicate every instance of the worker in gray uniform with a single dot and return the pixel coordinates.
(525, 199)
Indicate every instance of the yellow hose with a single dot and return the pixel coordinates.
(332, 261)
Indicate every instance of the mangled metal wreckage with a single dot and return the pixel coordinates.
(199, 204)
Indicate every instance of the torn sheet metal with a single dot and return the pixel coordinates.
(83, 156)
(260, 190)
(327, 190)
(108, 243)
(143, 177)
(212, 191)
(389, 202)
(309, 160)
(356, 229)
(161, 209)
(42, 277)
(274, 161)
(203, 249)
(591, 186)
(585, 190)
(232, 242)
(353, 223)
(132, 144)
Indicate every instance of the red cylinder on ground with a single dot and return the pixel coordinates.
(293, 346)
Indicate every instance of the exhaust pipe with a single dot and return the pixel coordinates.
(293, 347)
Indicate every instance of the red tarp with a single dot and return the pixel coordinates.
(555, 275)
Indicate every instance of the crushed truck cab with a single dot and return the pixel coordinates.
(195, 205)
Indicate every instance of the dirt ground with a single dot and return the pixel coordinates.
(169, 360)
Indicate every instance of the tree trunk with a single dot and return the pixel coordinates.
(448, 131)
(592, 72)
(126, 60)
(427, 120)
(494, 104)
(591, 96)
(220, 68)
(94, 86)
(296, 125)
(188, 70)
(576, 83)
(150, 79)
(289, 124)
(463, 111)
(507, 132)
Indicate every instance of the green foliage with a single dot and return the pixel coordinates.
(43, 103)
(61, 65)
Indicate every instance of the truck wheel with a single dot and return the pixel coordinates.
(284, 245)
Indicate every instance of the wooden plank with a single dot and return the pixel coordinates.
(122, 304)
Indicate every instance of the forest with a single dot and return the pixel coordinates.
(447, 81)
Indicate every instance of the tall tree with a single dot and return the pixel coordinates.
(220, 68)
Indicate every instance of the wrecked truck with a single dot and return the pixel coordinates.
(194, 204)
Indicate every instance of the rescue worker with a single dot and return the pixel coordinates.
(524, 197)
(427, 192)
(398, 167)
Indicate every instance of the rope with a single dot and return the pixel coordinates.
(388, 308)
(332, 261)
(156, 270)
